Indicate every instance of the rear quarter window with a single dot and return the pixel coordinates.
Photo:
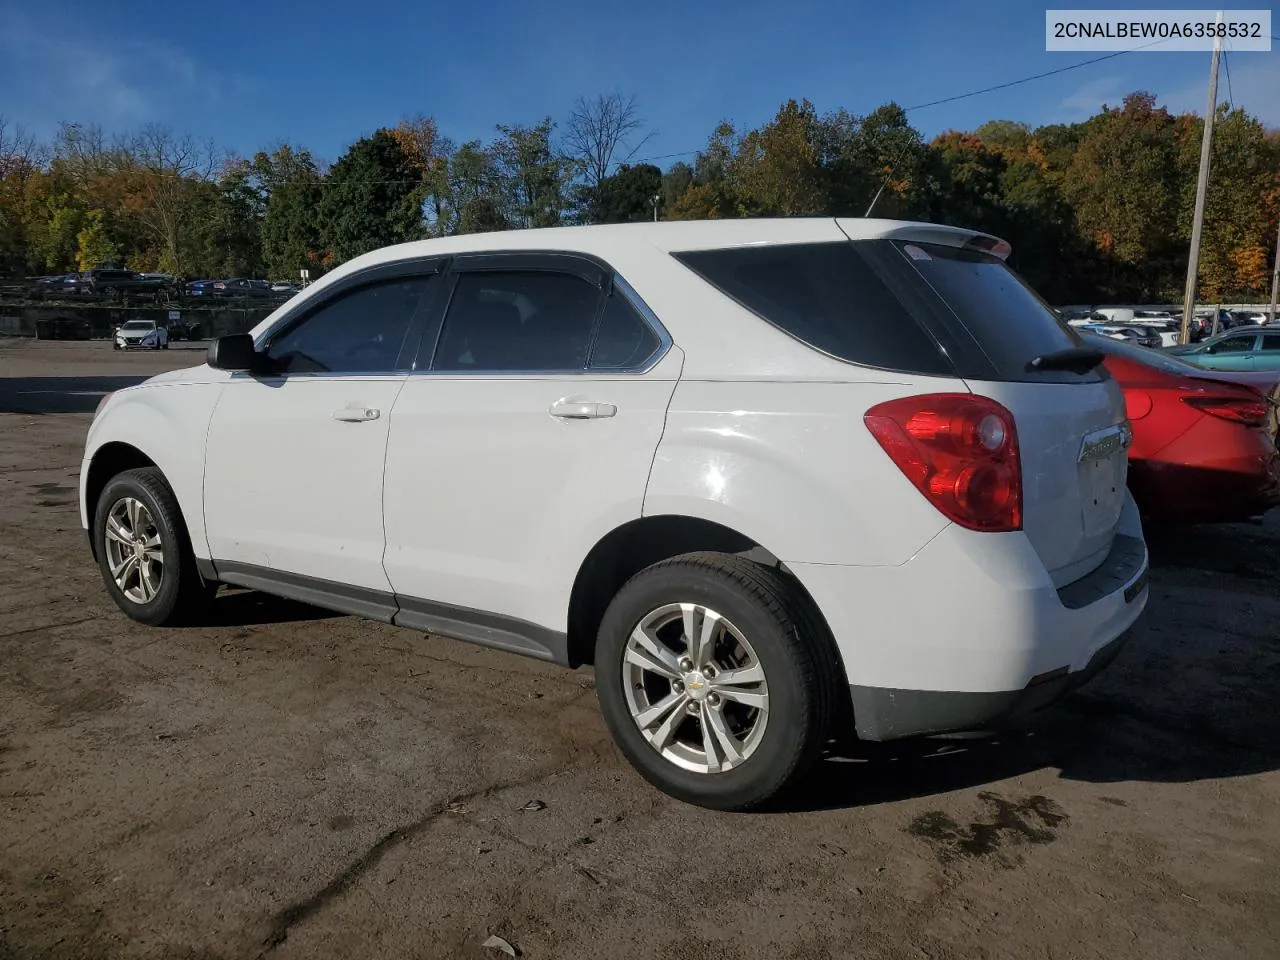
(826, 296)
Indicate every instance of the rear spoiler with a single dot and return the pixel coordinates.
(856, 228)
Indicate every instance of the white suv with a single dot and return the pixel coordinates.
(778, 480)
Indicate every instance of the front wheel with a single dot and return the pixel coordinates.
(711, 678)
(143, 551)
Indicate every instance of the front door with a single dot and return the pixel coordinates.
(294, 461)
(1234, 352)
(528, 439)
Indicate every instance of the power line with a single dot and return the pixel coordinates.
(971, 93)
(1226, 62)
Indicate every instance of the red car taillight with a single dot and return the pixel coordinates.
(1245, 410)
(960, 451)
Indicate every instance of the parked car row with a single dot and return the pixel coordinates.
(242, 288)
(118, 283)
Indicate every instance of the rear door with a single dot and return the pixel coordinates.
(520, 440)
(1268, 355)
(1072, 431)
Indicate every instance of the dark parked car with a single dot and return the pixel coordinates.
(241, 287)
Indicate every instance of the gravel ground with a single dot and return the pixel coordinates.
(289, 783)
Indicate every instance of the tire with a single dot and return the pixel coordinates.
(177, 593)
(115, 345)
(756, 605)
(165, 345)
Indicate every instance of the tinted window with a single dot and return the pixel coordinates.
(517, 321)
(358, 332)
(624, 341)
(824, 295)
(1231, 345)
(1271, 342)
(1007, 318)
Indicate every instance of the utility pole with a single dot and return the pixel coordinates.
(1275, 280)
(1202, 185)
(657, 198)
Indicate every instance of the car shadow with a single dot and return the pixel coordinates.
(1191, 697)
(41, 395)
(235, 607)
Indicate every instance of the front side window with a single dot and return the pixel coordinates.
(517, 321)
(360, 331)
(1231, 345)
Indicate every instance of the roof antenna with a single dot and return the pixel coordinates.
(877, 196)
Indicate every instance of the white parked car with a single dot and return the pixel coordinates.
(141, 334)
(778, 480)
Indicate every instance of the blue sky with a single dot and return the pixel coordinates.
(322, 74)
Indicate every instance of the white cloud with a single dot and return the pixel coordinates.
(1254, 86)
(113, 81)
(1088, 98)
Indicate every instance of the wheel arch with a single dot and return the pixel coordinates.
(109, 460)
(640, 543)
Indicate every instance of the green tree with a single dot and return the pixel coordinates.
(93, 246)
(535, 176)
(370, 198)
(289, 187)
(626, 195)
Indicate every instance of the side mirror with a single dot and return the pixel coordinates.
(234, 352)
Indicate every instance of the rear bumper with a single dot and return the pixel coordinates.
(972, 631)
(882, 714)
(1202, 490)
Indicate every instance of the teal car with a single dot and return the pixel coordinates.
(1246, 348)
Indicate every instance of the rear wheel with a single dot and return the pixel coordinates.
(710, 678)
(143, 551)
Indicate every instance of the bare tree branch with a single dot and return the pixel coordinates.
(599, 129)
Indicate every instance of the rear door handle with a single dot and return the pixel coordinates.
(356, 414)
(582, 410)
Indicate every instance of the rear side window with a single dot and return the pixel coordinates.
(1006, 318)
(824, 295)
(624, 340)
(517, 321)
(1271, 343)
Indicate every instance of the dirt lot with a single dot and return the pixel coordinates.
(295, 784)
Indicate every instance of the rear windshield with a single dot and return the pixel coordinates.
(914, 307)
(825, 295)
(1009, 321)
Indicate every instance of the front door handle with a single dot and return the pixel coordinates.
(356, 414)
(582, 410)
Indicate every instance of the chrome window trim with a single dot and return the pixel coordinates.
(636, 302)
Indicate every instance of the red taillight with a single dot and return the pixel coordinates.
(1245, 410)
(960, 451)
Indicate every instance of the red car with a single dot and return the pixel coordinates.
(1204, 445)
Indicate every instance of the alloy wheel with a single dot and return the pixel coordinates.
(134, 551)
(695, 688)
